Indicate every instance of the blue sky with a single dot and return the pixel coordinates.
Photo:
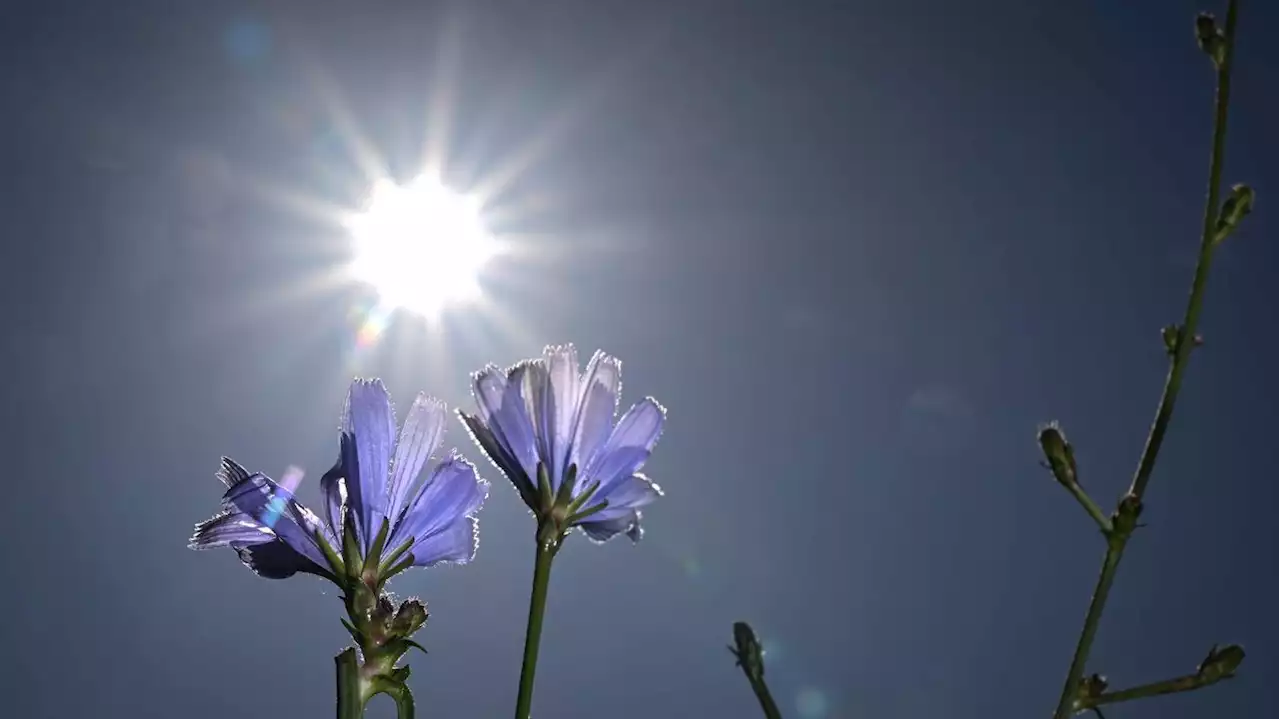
(859, 251)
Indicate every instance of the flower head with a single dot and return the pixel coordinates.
(372, 501)
(552, 432)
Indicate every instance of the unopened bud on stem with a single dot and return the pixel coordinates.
(1211, 39)
(1234, 209)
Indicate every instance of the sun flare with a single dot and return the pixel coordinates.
(421, 246)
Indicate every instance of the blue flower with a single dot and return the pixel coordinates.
(552, 432)
(372, 484)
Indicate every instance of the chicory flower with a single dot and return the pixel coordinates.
(552, 432)
(370, 491)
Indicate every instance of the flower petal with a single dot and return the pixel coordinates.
(451, 492)
(231, 473)
(628, 447)
(455, 543)
(540, 406)
(333, 491)
(257, 496)
(603, 531)
(500, 457)
(562, 378)
(503, 410)
(277, 560)
(611, 468)
(230, 528)
(597, 407)
(631, 493)
(420, 436)
(370, 421)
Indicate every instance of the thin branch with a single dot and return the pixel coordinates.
(1118, 538)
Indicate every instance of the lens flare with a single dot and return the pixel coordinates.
(289, 481)
(811, 703)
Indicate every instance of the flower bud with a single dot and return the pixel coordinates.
(1058, 453)
(385, 609)
(748, 651)
(1221, 663)
(1210, 38)
(1093, 686)
(1125, 519)
(410, 618)
(1234, 209)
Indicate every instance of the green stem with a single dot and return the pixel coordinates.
(404, 703)
(1090, 506)
(350, 693)
(1173, 382)
(1106, 578)
(398, 691)
(1154, 689)
(766, 699)
(533, 631)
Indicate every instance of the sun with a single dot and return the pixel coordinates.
(421, 246)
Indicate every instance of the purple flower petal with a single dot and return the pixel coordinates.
(230, 528)
(504, 412)
(421, 435)
(597, 408)
(451, 492)
(455, 543)
(499, 456)
(604, 530)
(540, 405)
(257, 496)
(333, 492)
(277, 560)
(612, 467)
(628, 447)
(370, 420)
(231, 473)
(562, 381)
(626, 496)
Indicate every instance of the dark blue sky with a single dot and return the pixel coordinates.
(859, 251)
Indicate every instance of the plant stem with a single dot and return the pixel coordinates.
(766, 699)
(1090, 506)
(399, 692)
(1106, 578)
(1173, 381)
(533, 631)
(350, 693)
(1168, 686)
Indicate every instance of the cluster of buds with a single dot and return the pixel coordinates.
(380, 629)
